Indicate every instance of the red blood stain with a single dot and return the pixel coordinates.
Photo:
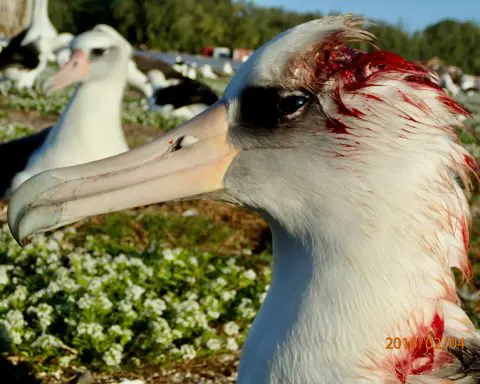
(336, 126)
(355, 70)
(370, 96)
(471, 164)
(342, 108)
(465, 233)
(452, 105)
(417, 103)
(422, 350)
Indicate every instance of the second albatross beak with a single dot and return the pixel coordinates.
(190, 160)
(75, 70)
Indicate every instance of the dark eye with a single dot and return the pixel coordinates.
(292, 105)
(98, 52)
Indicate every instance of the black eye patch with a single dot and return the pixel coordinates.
(97, 52)
(268, 107)
(258, 107)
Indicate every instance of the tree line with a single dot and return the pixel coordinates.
(188, 25)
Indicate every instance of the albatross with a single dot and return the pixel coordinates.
(90, 126)
(27, 54)
(353, 160)
(40, 24)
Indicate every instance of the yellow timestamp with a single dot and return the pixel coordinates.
(428, 342)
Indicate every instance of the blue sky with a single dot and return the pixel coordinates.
(415, 14)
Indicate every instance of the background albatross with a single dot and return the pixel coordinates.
(90, 126)
(352, 158)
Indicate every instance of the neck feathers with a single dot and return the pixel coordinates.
(390, 126)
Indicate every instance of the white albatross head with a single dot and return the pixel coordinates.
(100, 54)
(353, 159)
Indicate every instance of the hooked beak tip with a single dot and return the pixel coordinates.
(14, 226)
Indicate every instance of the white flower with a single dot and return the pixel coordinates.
(187, 351)
(85, 302)
(134, 292)
(19, 295)
(104, 302)
(214, 344)
(168, 254)
(247, 252)
(93, 330)
(65, 361)
(155, 306)
(53, 288)
(250, 274)
(45, 342)
(228, 295)
(162, 333)
(213, 314)
(44, 314)
(4, 275)
(125, 306)
(95, 284)
(124, 334)
(261, 297)
(190, 212)
(15, 318)
(152, 247)
(245, 308)
(113, 356)
(193, 261)
(232, 344)
(219, 283)
(231, 328)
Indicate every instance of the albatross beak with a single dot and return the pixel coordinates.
(190, 160)
(75, 70)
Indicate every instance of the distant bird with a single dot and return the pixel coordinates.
(90, 125)
(158, 80)
(185, 100)
(23, 64)
(228, 69)
(138, 80)
(446, 82)
(27, 54)
(16, 54)
(207, 72)
(146, 63)
(180, 66)
(40, 24)
(353, 160)
(174, 94)
(191, 71)
(469, 84)
(179, 97)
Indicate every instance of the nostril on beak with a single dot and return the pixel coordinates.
(182, 142)
(178, 144)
